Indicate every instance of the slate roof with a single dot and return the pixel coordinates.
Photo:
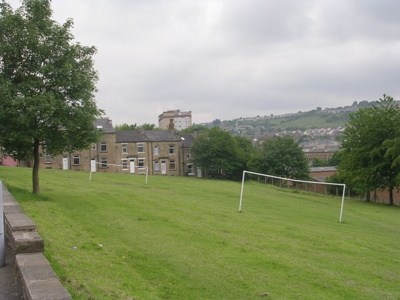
(130, 136)
(134, 136)
(104, 124)
(187, 139)
(161, 136)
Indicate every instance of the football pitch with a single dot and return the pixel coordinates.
(116, 237)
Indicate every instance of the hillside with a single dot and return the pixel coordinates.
(115, 237)
(260, 126)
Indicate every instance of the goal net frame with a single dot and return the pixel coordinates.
(140, 170)
(293, 180)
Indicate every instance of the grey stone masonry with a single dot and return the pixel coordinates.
(38, 278)
(39, 281)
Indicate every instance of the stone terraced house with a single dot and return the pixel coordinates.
(159, 152)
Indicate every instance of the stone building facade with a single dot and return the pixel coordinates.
(157, 152)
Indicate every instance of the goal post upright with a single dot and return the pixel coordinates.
(293, 180)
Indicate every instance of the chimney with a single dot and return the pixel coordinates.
(171, 125)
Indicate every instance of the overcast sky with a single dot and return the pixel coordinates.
(226, 59)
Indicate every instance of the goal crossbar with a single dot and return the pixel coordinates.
(293, 180)
(94, 163)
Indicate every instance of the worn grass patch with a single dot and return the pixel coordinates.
(182, 238)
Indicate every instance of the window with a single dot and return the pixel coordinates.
(172, 165)
(155, 150)
(48, 159)
(188, 154)
(124, 164)
(124, 148)
(103, 147)
(190, 169)
(156, 165)
(76, 160)
(94, 147)
(171, 149)
(140, 162)
(140, 148)
(104, 162)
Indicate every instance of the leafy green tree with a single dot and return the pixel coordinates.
(126, 127)
(281, 156)
(194, 128)
(148, 126)
(369, 146)
(47, 85)
(245, 149)
(215, 151)
(333, 161)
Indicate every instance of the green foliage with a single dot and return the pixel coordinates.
(280, 156)
(148, 126)
(369, 147)
(182, 238)
(194, 128)
(126, 127)
(47, 85)
(333, 161)
(216, 151)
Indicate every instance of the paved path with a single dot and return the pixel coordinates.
(10, 285)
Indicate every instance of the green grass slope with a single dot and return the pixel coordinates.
(115, 237)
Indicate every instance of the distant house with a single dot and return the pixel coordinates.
(102, 152)
(9, 161)
(158, 152)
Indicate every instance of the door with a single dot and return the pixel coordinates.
(93, 165)
(132, 166)
(65, 163)
(163, 167)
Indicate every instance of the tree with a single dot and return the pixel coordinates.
(148, 126)
(126, 127)
(333, 161)
(194, 128)
(47, 86)
(368, 159)
(245, 149)
(281, 156)
(215, 151)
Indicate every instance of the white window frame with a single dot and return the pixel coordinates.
(124, 163)
(156, 150)
(48, 159)
(104, 163)
(103, 147)
(172, 162)
(74, 158)
(171, 149)
(190, 168)
(124, 147)
(140, 146)
(156, 165)
(141, 162)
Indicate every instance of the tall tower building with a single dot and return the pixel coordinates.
(175, 119)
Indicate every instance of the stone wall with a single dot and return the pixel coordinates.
(37, 277)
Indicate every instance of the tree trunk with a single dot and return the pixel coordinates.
(368, 197)
(391, 196)
(35, 169)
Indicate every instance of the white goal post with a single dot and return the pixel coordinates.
(292, 180)
(141, 170)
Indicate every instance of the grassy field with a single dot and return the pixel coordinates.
(115, 237)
